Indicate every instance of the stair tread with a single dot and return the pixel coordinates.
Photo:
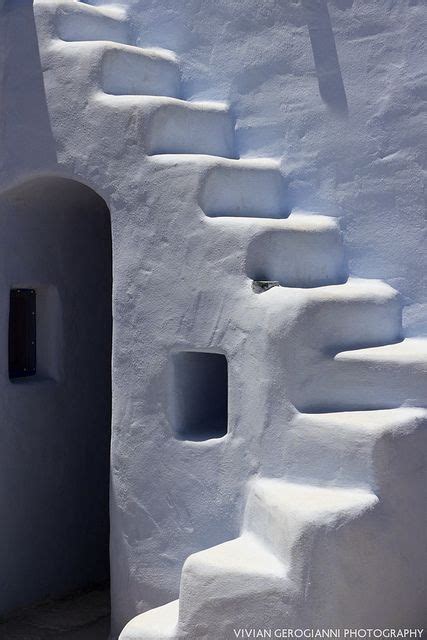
(111, 11)
(244, 555)
(305, 222)
(295, 223)
(165, 101)
(408, 351)
(214, 161)
(352, 289)
(376, 420)
(156, 53)
(312, 502)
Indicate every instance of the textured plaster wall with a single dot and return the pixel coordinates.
(335, 88)
(332, 89)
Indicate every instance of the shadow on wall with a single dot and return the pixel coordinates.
(329, 77)
(26, 139)
(55, 424)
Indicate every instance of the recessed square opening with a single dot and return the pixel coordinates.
(199, 395)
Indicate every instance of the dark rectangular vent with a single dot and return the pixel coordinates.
(22, 333)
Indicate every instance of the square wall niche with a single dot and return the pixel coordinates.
(199, 395)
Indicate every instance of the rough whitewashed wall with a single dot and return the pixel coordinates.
(333, 92)
(335, 89)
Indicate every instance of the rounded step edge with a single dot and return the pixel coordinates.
(352, 449)
(160, 623)
(282, 513)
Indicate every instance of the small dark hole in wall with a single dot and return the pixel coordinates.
(22, 333)
(199, 406)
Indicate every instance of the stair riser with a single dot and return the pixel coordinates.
(244, 192)
(271, 525)
(77, 25)
(341, 456)
(310, 328)
(203, 597)
(182, 129)
(357, 386)
(297, 258)
(336, 325)
(125, 73)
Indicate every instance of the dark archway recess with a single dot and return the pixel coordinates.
(55, 425)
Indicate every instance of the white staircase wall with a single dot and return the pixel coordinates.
(331, 135)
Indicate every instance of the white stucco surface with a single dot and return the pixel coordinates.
(232, 142)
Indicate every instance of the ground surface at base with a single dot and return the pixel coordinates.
(82, 616)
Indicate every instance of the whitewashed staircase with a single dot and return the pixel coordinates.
(349, 423)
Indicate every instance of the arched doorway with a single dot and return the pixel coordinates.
(55, 421)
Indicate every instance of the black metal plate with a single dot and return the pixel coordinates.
(22, 333)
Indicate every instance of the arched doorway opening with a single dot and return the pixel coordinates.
(55, 420)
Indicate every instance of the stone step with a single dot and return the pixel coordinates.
(282, 514)
(304, 250)
(81, 22)
(373, 378)
(160, 623)
(356, 313)
(212, 579)
(128, 70)
(177, 127)
(357, 448)
(245, 190)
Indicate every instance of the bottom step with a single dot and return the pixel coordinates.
(160, 623)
